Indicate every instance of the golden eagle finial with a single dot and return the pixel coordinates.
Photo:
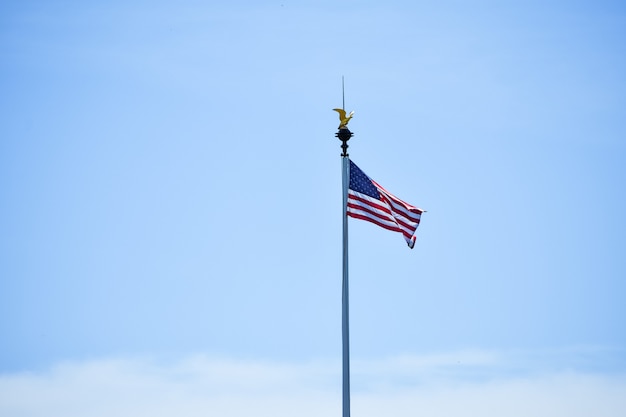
(343, 119)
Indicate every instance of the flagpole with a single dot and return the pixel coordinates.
(344, 135)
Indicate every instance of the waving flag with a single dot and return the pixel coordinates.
(367, 200)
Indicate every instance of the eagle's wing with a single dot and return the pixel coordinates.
(342, 114)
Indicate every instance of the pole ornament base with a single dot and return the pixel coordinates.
(344, 136)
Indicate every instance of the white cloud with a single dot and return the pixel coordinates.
(441, 385)
(569, 395)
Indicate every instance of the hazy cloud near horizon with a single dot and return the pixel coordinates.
(462, 383)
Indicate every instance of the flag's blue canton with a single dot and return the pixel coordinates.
(361, 183)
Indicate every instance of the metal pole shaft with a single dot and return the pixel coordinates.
(345, 168)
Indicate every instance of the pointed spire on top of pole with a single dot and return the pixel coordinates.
(344, 133)
(343, 94)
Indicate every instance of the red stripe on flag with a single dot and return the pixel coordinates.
(369, 219)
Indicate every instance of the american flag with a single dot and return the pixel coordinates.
(367, 200)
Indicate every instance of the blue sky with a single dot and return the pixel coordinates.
(170, 207)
